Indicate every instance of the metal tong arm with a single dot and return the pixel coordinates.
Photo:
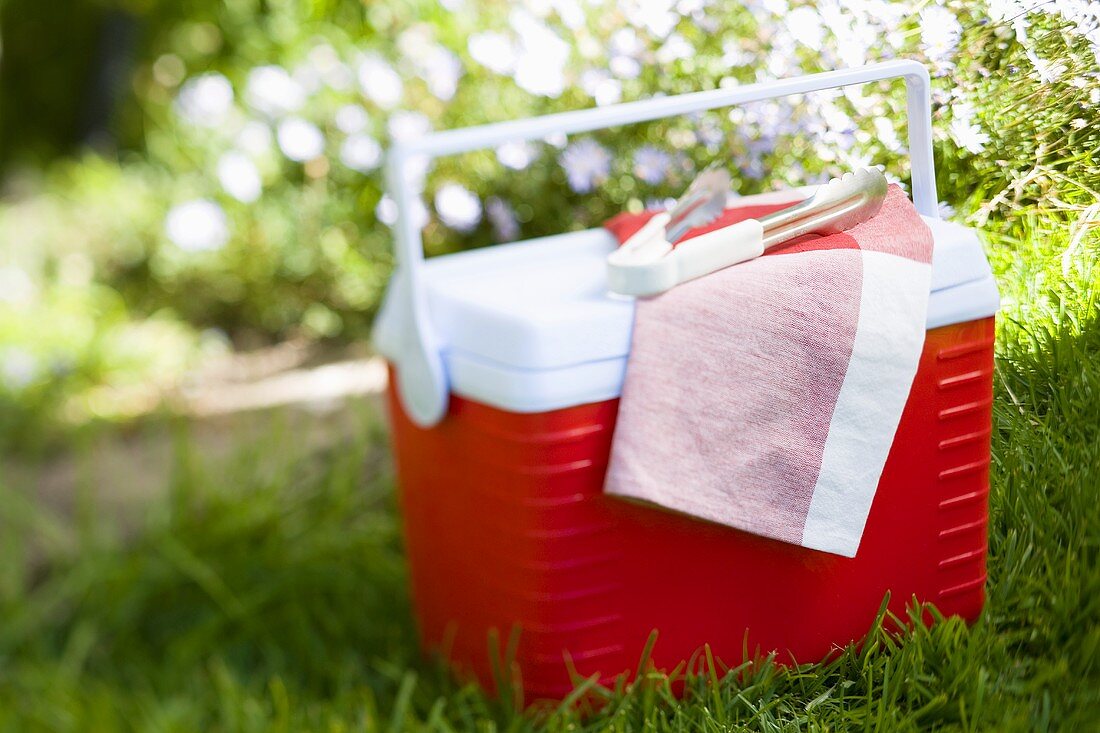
(801, 218)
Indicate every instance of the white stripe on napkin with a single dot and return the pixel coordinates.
(893, 304)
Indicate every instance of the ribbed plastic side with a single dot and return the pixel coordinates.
(507, 527)
(964, 403)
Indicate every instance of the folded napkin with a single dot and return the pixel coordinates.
(765, 396)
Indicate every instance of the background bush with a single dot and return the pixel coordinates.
(184, 176)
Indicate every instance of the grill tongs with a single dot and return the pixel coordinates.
(656, 259)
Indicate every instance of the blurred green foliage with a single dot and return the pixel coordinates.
(109, 139)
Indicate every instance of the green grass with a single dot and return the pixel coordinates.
(272, 595)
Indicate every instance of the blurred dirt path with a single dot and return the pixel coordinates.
(121, 471)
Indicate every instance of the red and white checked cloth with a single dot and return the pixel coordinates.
(766, 396)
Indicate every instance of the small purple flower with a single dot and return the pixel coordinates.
(503, 219)
(586, 164)
(651, 165)
(656, 204)
(709, 134)
(18, 368)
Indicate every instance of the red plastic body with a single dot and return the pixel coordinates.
(507, 526)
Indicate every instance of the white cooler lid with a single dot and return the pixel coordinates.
(530, 326)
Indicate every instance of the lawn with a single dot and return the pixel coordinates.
(269, 592)
(253, 578)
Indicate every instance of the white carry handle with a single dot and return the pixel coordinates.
(421, 379)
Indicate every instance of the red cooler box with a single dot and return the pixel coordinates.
(506, 523)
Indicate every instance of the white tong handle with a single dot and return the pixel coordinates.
(651, 265)
(647, 264)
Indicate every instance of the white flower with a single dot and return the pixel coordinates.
(947, 211)
(503, 219)
(205, 100)
(656, 16)
(405, 126)
(273, 92)
(939, 32)
(835, 117)
(625, 48)
(16, 286)
(197, 226)
(688, 7)
(1002, 10)
(386, 211)
(308, 78)
(516, 154)
(328, 66)
(380, 82)
(625, 67)
(300, 140)
(415, 42)
(18, 368)
(674, 49)
(435, 64)
(735, 54)
(1047, 71)
(441, 69)
(323, 57)
(457, 207)
(969, 135)
(494, 51)
(964, 128)
(351, 118)
(239, 177)
(625, 42)
(651, 165)
(570, 12)
(586, 163)
(340, 78)
(855, 35)
(599, 85)
(782, 59)
(886, 134)
(254, 138)
(805, 26)
(540, 68)
(556, 139)
(361, 152)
